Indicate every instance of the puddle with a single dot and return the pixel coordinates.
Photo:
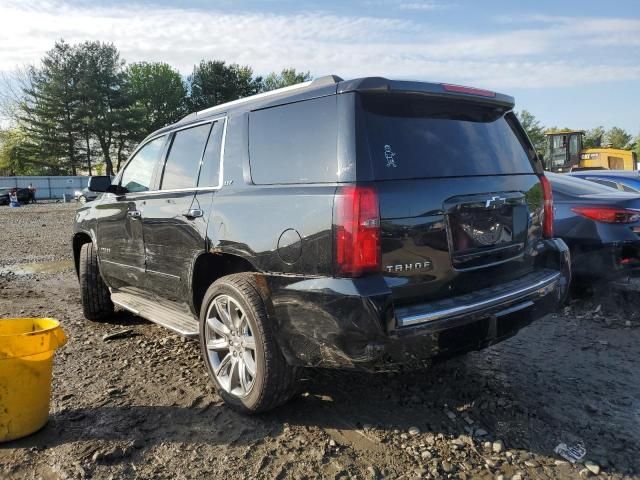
(35, 268)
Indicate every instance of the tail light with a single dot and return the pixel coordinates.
(468, 90)
(357, 231)
(608, 214)
(547, 196)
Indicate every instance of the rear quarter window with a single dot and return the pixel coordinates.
(416, 137)
(294, 143)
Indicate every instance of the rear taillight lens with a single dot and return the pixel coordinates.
(357, 231)
(608, 214)
(547, 219)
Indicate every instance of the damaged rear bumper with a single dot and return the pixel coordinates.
(352, 323)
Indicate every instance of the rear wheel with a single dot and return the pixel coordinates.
(239, 348)
(82, 199)
(96, 298)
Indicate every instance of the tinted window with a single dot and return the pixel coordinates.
(294, 143)
(627, 188)
(137, 175)
(414, 137)
(185, 154)
(606, 183)
(575, 186)
(210, 171)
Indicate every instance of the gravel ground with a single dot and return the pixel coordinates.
(36, 233)
(141, 406)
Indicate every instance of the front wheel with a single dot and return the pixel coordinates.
(82, 199)
(96, 299)
(239, 348)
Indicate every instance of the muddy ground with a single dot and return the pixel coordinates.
(142, 407)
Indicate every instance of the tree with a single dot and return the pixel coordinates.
(106, 104)
(285, 78)
(47, 108)
(635, 146)
(10, 158)
(617, 138)
(214, 82)
(158, 92)
(534, 130)
(593, 138)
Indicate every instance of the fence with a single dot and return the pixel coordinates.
(47, 187)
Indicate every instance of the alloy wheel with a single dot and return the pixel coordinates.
(231, 346)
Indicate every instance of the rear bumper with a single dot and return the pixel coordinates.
(352, 323)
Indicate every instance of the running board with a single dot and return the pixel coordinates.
(167, 315)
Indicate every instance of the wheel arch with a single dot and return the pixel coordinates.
(209, 267)
(79, 239)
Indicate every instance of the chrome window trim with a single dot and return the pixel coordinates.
(177, 190)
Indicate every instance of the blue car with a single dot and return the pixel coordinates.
(599, 224)
(623, 180)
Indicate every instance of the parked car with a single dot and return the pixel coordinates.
(22, 193)
(367, 224)
(85, 195)
(600, 224)
(623, 180)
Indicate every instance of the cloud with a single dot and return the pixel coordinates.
(524, 52)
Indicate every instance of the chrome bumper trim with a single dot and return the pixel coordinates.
(541, 288)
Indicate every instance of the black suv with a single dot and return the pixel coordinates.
(367, 223)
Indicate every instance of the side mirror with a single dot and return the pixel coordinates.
(115, 189)
(99, 183)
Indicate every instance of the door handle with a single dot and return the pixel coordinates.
(193, 213)
(134, 213)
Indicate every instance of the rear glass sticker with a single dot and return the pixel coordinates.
(390, 155)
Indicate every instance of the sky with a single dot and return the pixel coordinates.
(572, 64)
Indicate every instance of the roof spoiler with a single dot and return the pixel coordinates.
(384, 85)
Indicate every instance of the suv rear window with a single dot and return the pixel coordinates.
(416, 137)
(294, 143)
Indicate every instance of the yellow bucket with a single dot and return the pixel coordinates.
(26, 360)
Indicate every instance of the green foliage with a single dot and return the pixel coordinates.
(157, 93)
(74, 102)
(47, 110)
(534, 130)
(593, 138)
(214, 82)
(285, 78)
(617, 138)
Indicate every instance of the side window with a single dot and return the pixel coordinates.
(185, 154)
(294, 143)
(627, 188)
(137, 175)
(606, 183)
(573, 144)
(210, 171)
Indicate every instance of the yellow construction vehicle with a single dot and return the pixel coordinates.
(565, 152)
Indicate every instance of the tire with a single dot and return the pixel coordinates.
(82, 199)
(274, 381)
(96, 299)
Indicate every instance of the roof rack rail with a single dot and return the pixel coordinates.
(326, 80)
